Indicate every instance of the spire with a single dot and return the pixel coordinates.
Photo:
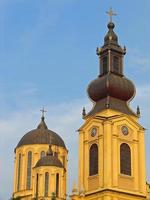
(42, 124)
(111, 37)
(111, 90)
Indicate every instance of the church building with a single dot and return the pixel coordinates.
(111, 143)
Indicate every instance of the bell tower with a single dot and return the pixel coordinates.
(111, 140)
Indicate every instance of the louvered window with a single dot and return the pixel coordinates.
(105, 65)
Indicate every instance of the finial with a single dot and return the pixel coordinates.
(124, 49)
(98, 51)
(111, 13)
(50, 152)
(138, 112)
(83, 112)
(43, 112)
(42, 124)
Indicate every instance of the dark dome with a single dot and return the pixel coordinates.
(49, 161)
(41, 135)
(111, 85)
(111, 36)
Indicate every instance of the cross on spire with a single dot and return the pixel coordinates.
(111, 13)
(43, 112)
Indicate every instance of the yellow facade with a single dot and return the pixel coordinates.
(36, 150)
(109, 183)
(53, 171)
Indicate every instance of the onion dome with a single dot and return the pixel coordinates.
(111, 89)
(111, 85)
(111, 37)
(41, 135)
(49, 160)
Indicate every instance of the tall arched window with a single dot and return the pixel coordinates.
(125, 159)
(116, 65)
(37, 185)
(42, 154)
(46, 184)
(19, 172)
(29, 167)
(57, 185)
(105, 65)
(93, 160)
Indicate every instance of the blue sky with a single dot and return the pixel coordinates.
(47, 58)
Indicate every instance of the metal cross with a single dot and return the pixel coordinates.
(43, 111)
(111, 13)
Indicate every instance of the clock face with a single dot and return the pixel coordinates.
(93, 132)
(124, 130)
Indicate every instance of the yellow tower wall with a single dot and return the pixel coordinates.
(109, 183)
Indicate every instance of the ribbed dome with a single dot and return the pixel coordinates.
(111, 85)
(41, 135)
(49, 161)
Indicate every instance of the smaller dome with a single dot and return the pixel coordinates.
(49, 161)
(111, 37)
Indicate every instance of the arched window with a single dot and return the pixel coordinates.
(46, 183)
(29, 167)
(93, 160)
(105, 65)
(116, 65)
(42, 154)
(125, 159)
(57, 185)
(19, 172)
(37, 185)
(63, 160)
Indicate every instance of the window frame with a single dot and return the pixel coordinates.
(93, 160)
(125, 160)
(46, 189)
(19, 171)
(29, 170)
